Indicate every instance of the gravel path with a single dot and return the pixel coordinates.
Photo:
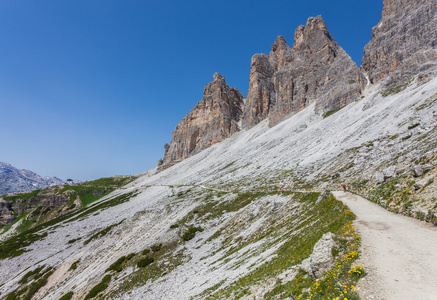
(398, 253)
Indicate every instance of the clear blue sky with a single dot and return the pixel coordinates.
(94, 88)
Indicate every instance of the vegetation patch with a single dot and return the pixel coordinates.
(22, 196)
(330, 113)
(191, 233)
(99, 287)
(145, 262)
(101, 233)
(396, 87)
(165, 261)
(118, 265)
(67, 296)
(74, 265)
(36, 279)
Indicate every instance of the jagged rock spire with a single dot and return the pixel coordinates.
(316, 69)
(212, 120)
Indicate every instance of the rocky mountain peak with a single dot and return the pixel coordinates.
(313, 36)
(218, 77)
(212, 120)
(315, 69)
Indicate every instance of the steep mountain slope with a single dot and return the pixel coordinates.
(14, 180)
(231, 252)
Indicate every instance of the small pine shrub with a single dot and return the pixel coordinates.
(145, 262)
(174, 226)
(117, 266)
(130, 256)
(146, 251)
(191, 233)
(67, 296)
(74, 265)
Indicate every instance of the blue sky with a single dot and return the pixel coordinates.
(94, 88)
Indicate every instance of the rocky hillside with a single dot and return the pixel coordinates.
(317, 70)
(30, 208)
(241, 218)
(14, 180)
(216, 225)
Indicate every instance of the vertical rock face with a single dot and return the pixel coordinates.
(316, 69)
(260, 96)
(212, 120)
(404, 43)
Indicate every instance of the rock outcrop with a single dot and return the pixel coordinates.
(316, 69)
(212, 120)
(404, 43)
(321, 260)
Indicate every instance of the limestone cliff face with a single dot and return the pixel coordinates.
(316, 69)
(404, 43)
(212, 120)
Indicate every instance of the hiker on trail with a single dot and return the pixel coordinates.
(344, 187)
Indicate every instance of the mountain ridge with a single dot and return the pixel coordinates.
(317, 69)
(20, 180)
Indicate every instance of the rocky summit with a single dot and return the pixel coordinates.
(404, 42)
(212, 120)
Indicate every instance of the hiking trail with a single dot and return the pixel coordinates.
(398, 253)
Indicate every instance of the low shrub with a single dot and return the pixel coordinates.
(99, 287)
(117, 266)
(67, 296)
(145, 262)
(156, 247)
(191, 233)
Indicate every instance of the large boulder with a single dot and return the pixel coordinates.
(321, 260)
(420, 170)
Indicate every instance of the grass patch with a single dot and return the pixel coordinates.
(23, 196)
(330, 113)
(34, 281)
(99, 287)
(396, 87)
(67, 296)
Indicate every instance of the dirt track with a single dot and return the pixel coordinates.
(398, 253)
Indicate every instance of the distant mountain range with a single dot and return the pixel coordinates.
(15, 180)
